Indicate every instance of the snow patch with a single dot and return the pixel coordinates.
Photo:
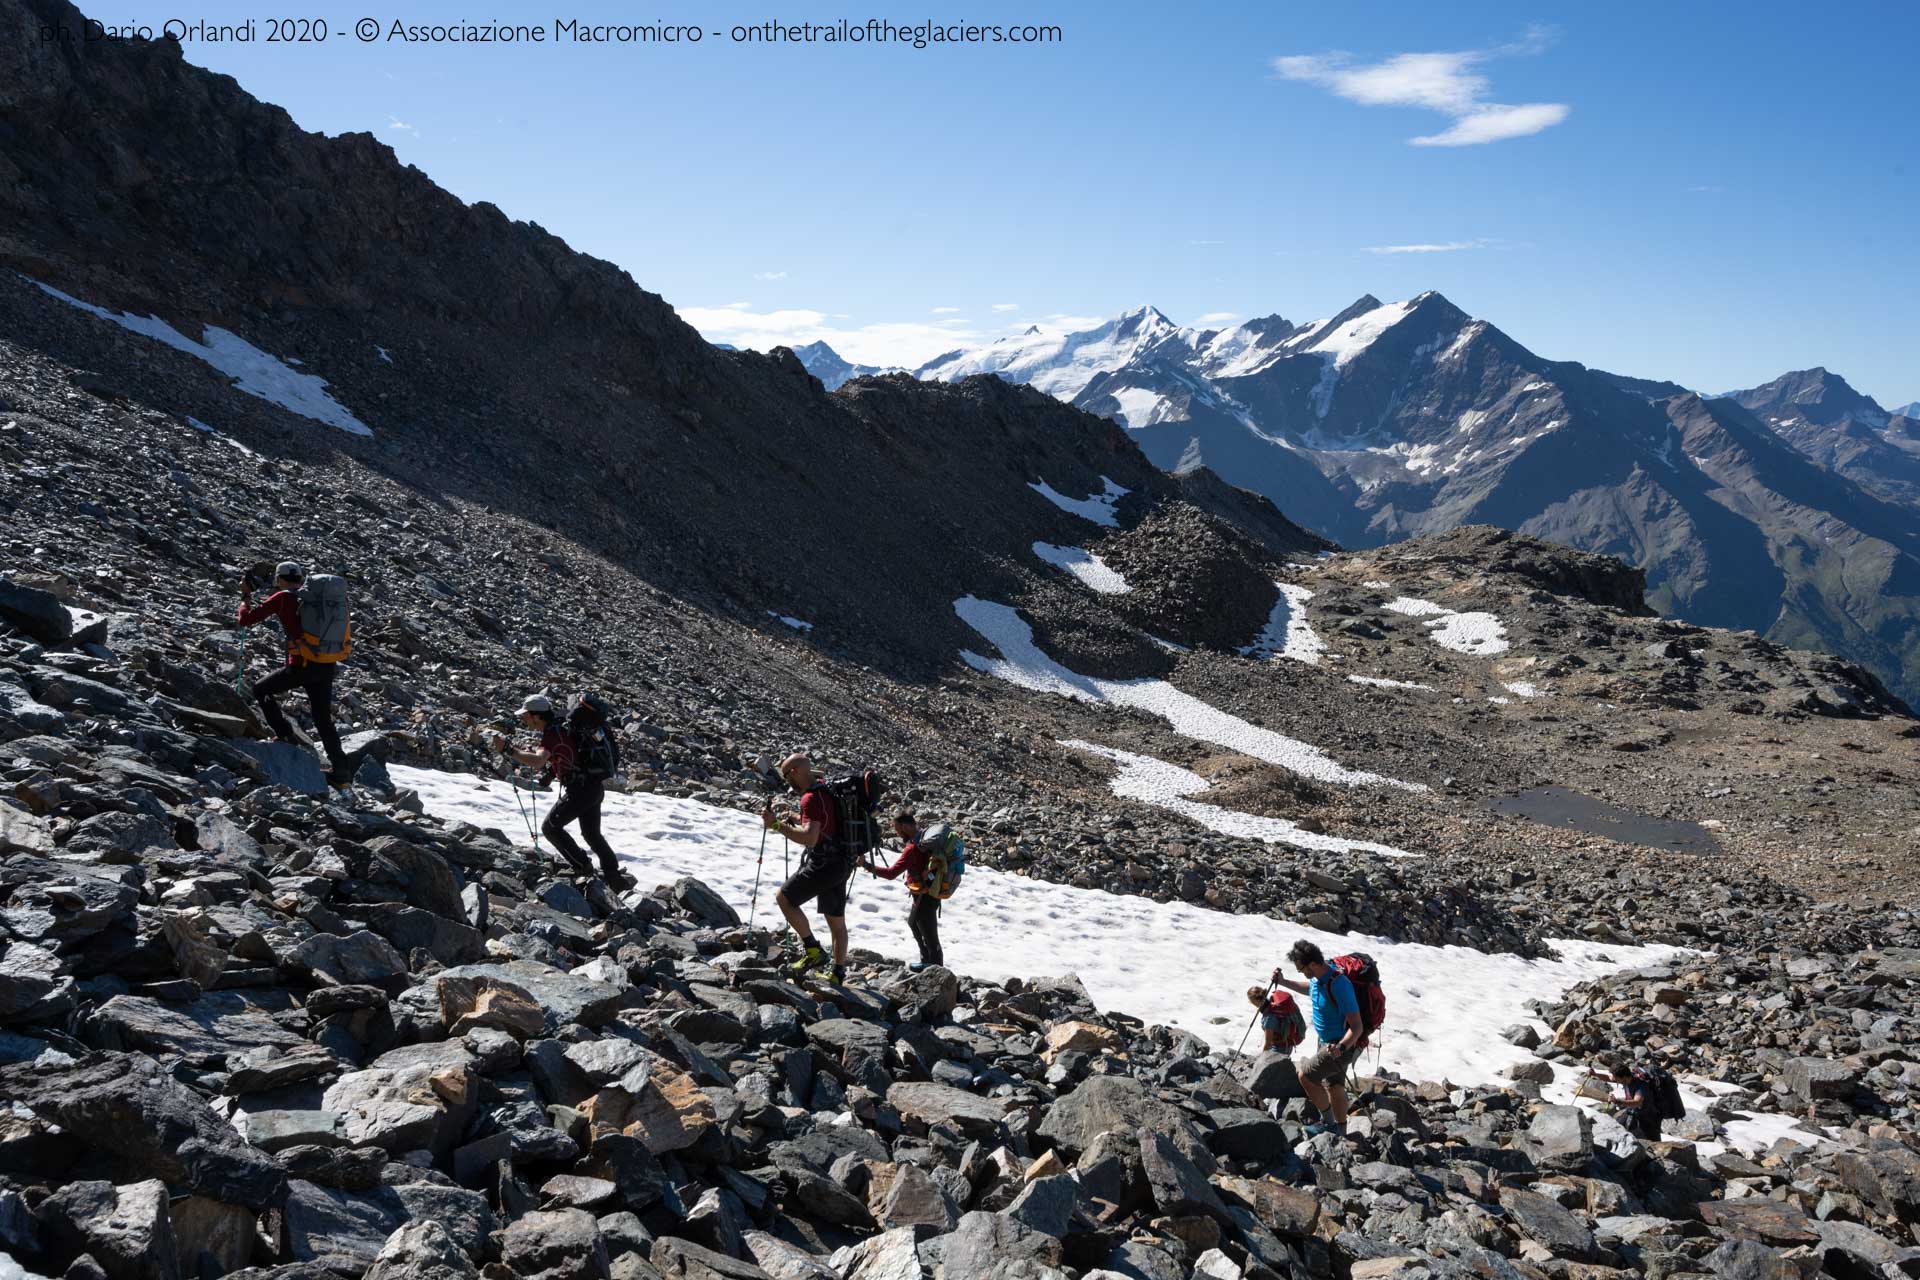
(1168, 786)
(795, 623)
(382, 353)
(1084, 565)
(1022, 663)
(221, 436)
(253, 370)
(1381, 682)
(1134, 955)
(1524, 689)
(1480, 634)
(1137, 406)
(1288, 634)
(1098, 508)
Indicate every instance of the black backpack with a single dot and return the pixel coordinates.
(589, 727)
(856, 803)
(1663, 1092)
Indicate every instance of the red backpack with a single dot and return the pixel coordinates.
(1293, 1027)
(1364, 974)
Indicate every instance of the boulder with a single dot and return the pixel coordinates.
(35, 613)
(1560, 1139)
(706, 906)
(131, 1117)
(927, 1103)
(1104, 1103)
(1815, 1079)
(891, 1255)
(1544, 1222)
(126, 1229)
(287, 764)
(1271, 1076)
(421, 1251)
(676, 1258)
(562, 1244)
(1178, 1185)
(1887, 1178)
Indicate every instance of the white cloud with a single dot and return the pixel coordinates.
(398, 125)
(1006, 306)
(1496, 124)
(946, 311)
(1443, 82)
(1216, 317)
(1445, 246)
(1206, 242)
(905, 344)
(769, 275)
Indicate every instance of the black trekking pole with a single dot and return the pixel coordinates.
(755, 903)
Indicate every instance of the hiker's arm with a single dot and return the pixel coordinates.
(1627, 1099)
(893, 872)
(804, 834)
(1298, 988)
(1356, 1030)
(254, 613)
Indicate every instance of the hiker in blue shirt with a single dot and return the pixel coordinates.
(1335, 1012)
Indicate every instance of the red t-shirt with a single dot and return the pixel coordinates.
(559, 748)
(913, 861)
(817, 807)
(284, 608)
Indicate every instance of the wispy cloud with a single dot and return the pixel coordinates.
(1006, 306)
(1709, 187)
(1216, 317)
(769, 275)
(398, 125)
(1445, 246)
(1206, 242)
(946, 311)
(1442, 82)
(904, 344)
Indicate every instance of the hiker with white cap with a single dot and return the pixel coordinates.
(581, 793)
(314, 618)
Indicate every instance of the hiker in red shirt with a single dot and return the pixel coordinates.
(283, 606)
(924, 917)
(824, 867)
(581, 795)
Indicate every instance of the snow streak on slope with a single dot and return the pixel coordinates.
(1168, 786)
(1288, 634)
(1084, 565)
(1022, 663)
(253, 370)
(1098, 508)
(1381, 682)
(1135, 955)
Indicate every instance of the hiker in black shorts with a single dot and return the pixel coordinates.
(824, 866)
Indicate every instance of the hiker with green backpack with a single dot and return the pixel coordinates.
(314, 618)
(933, 861)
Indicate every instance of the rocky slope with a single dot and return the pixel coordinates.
(247, 1032)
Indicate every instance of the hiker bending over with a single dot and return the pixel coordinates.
(1634, 1100)
(581, 794)
(283, 606)
(924, 917)
(824, 866)
(1336, 1020)
(1281, 1027)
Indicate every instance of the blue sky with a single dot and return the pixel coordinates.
(1711, 192)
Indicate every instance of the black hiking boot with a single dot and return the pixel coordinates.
(839, 975)
(341, 773)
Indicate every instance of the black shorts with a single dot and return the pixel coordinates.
(826, 882)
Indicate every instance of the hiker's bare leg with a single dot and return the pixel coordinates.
(1316, 1094)
(795, 916)
(837, 926)
(1337, 1093)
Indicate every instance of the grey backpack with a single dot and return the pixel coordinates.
(326, 622)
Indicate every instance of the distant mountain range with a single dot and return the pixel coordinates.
(1792, 509)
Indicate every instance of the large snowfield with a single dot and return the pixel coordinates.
(1173, 963)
